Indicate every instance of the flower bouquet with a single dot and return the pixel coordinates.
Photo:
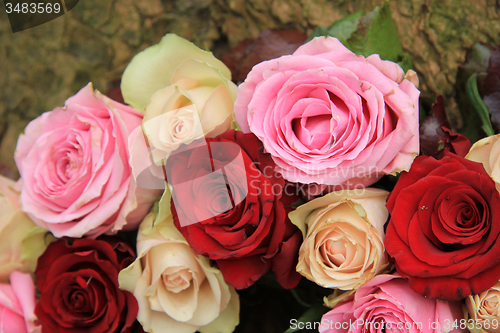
(195, 200)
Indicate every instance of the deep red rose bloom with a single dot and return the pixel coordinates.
(444, 228)
(229, 204)
(78, 284)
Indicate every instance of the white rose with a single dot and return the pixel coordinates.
(174, 287)
(185, 94)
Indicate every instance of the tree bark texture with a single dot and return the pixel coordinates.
(41, 67)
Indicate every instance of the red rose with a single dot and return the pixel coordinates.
(78, 284)
(444, 227)
(229, 204)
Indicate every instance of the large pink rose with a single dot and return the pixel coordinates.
(17, 305)
(328, 116)
(74, 165)
(387, 304)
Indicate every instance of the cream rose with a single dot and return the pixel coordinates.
(174, 287)
(343, 232)
(172, 128)
(484, 310)
(185, 94)
(21, 241)
(487, 152)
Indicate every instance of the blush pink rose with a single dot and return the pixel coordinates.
(387, 304)
(328, 116)
(17, 305)
(74, 164)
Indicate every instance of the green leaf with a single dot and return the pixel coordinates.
(374, 33)
(343, 29)
(421, 112)
(477, 103)
(404, 61)
(476, 61)
(298, 299)
(340, 29)
(377, 33)
(312, 315)
(337, 296)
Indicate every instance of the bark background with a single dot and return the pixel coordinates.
(43, 66)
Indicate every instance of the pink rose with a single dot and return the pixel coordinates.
(329, 116)
(387, 304)
(17, 304)
(74, 165)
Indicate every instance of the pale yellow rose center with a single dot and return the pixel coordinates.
(337, 251)
(177, 126)
(180, 129)
(490, 304)
(334, 251)
(177, 279)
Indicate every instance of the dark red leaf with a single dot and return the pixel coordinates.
(454, 142)
(490, 88)
(7, 171)
(436, 137)
(270, 44)
(429, 138)
(114, 92)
